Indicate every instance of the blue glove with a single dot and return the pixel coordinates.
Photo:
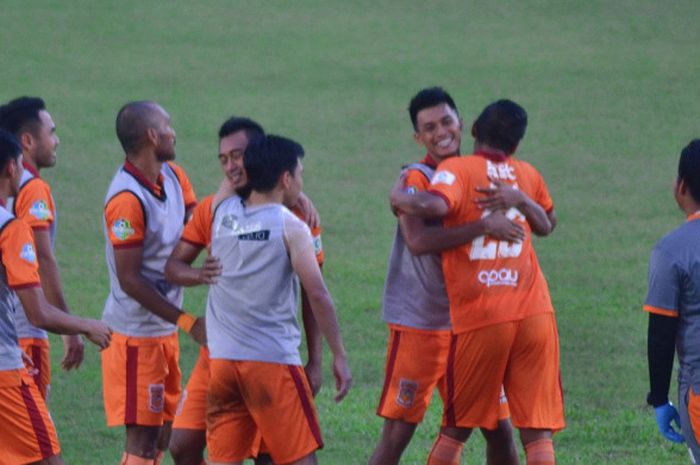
(665, 414)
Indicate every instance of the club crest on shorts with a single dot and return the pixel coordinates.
(156, 398)
(407, 393)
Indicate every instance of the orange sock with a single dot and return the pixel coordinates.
(128, 459)
(445, 451)
(540, 452)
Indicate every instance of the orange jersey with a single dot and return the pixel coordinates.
(198, 230)
(34, 202)
(490, 281)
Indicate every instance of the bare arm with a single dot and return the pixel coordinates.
(44, 315)
(501, 196)
(308, 210)
(53, 290)
(422, 238)
(303, 259)
(179, 269)
(128, 264)
(314, 345)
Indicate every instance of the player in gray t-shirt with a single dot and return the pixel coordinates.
(673, 303)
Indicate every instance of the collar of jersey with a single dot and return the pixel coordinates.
(156, 189)
(428, 161)
(31, 169)
(694, 216)
(494, 157)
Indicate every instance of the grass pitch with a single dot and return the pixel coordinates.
(611, 90)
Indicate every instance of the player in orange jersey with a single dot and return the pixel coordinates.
(27, 433)
(28, 119)
(189, 439)
(146, 206)
(415, 304)
(500, 307)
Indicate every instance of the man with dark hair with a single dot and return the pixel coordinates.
(502, 316)
(27, 433)
(146, 206)
(28, 119)
(189, 427)
(258, 390)
(415, 304)
(673, 304)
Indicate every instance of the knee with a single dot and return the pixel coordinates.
(503, 434)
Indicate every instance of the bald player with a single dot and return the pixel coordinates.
(146, 206)
(27, 433)
(28, 119)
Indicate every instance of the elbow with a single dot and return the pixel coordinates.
(170, 274)
(128, 284)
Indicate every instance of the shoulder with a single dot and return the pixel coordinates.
(292, 221)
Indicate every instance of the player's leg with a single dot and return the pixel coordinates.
(500, 446)
(141, 443)
(416, 360)
(533, 386)
(447, 448)
(689, 410)
(187, 446)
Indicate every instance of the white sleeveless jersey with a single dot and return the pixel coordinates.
(164, 219)
(251, 310)
(24, 328)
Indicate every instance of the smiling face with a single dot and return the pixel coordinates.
(231, 150)
(439, 130)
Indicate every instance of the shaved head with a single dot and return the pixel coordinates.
(134, 119)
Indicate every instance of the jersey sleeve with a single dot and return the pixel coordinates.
(187, 189)
(125, 220)
(315, 236)
(541, 193)
(447, 184)
(34, 204)
(198, 230)
(415, 181)
(664, 284)
(18, 255)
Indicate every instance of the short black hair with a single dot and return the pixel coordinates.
(501, 125)
(10, 149)
(267, 158)
(21, 114)
(240, 123)
(428, 98)
(689, 168)
(133, 120)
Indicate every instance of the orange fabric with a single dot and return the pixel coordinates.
(192, 408)
(316, 235)
(445, 451)
(18, 255)
(129, 459)
(39, 352)
(694, 412)
(540, 452)
(34, 204)
(197, 231)
(27, 433)
(520, 356)
(661, 311)
(416, 363)
(141, 379)
(416, 180)
(253, 400)
(187, 189)
(489, 281)
(186, 321)
(125, 220)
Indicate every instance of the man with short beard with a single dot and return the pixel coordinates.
(146, 206)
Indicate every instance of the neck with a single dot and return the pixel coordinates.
(147, 164)
(30, 163)
(262, 198)
(488, 150)
(5, 190)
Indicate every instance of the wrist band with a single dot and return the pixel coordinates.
(186, 321)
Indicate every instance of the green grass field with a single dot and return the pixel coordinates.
(612, 93)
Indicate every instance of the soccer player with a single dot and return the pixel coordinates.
(258, 389)
(146, 205)
(673, 304)
(27, 433)
(28, 119)
(188, 439)
(500, 309)
(415, 304)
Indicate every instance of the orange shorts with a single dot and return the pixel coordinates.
(38, 351)
(192, 409)
(416, 363)
(141, 379)
(249, 401)
(27, 433)
(521, 357)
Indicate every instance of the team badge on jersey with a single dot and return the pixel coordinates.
(407, 393)
(443, 177)
(28, 253)
(411, 190)
(122, 229)
(156, 397)
(318, 246)
(40, 210)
